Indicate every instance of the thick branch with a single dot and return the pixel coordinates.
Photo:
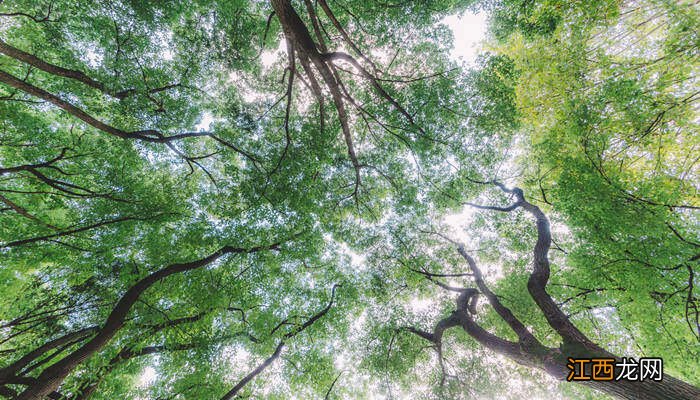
(525, 337)
(14, 368)
(21, 211)
(36, 62)
(539, 277)
(375, 84)
(56, 70)
(50, 379)
(148, 135)
(327, 10)
(249, 377)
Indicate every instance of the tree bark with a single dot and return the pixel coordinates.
(51, 378)
(528, 351)
(554, 361)
(11, 370)
(669, 388)
(36, 62)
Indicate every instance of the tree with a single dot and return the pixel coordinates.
(215, 190)
(528, 350)
(613, 157)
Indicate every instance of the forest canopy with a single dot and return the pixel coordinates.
(314, 199)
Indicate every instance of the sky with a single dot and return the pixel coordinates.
(469, 30)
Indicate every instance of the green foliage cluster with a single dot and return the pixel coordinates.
(140, 135)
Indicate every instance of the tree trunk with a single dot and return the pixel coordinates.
(51, 378)
(669, 388)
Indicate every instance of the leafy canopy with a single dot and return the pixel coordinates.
(274, 182)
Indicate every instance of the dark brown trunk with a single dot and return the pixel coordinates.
(669, 388)
(527, 350)
(34, 61)
(52, 377)
(13, 369)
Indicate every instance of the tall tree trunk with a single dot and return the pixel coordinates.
(554, 362)
(51, 378)
(669, 388)
(528, 350)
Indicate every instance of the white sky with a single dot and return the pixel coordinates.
(469, 31)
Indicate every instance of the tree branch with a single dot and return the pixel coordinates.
(51, 378)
